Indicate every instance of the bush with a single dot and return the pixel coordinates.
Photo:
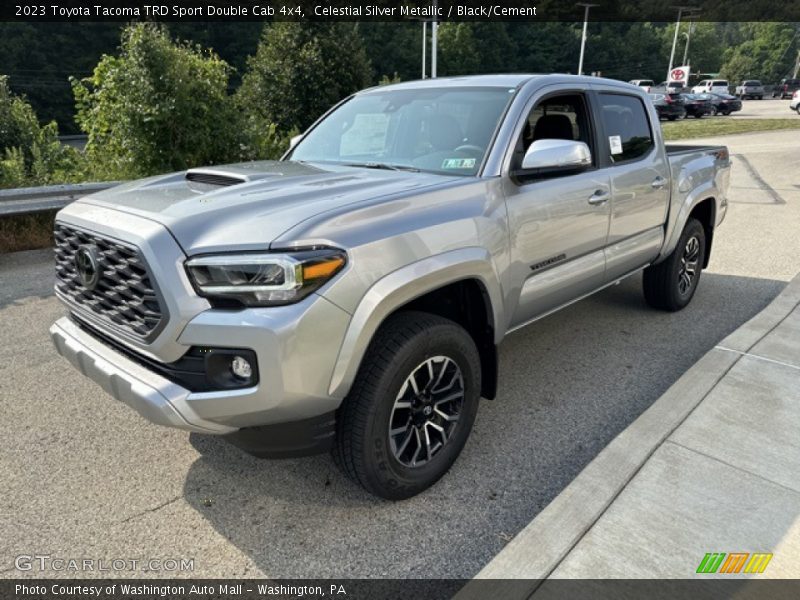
(159, 106)
(30, 154)
(300, 70)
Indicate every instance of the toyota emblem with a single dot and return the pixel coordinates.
(87, 267)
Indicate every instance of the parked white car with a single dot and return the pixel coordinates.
(795, 103)
(645, 84)
(711, 86)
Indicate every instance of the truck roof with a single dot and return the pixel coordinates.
(510, 80)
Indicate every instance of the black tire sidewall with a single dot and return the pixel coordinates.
(387, 475)
(693, 228)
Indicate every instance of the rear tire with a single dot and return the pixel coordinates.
(396, 432)
(671, 284)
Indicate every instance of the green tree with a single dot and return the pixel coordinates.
(158, 106)
(768, 53)
(458, 49)
(30, 153)
(302, 69)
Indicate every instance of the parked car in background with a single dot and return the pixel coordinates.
(673, 87)
(697, 105)
(750, 88)
(668, 106)
(786, 88)
(711, 86)
(645, 84)
(724, 104)
(795, 103)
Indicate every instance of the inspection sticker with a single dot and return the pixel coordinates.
(458, 163)
(616, 144)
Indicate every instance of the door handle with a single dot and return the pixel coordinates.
(658, 183)
(598, 198)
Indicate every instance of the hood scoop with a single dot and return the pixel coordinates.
(215, 177)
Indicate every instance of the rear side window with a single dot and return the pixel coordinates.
(627, 127)
(720, 83)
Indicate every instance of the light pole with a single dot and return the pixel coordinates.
(688, 38)
(675, 38)
(583, 37)
(424, 46)
(796, 65)
(434, 43)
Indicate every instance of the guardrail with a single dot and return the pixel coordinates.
(25, 201)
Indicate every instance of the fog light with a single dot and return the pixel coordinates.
(241, 368)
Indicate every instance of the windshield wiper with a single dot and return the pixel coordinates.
(384, 166)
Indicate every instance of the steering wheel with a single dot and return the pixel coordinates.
(469, 148)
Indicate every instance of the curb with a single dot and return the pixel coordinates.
(538, 549)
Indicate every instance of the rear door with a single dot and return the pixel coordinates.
(634, 154)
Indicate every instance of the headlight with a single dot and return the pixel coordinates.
(264, 279)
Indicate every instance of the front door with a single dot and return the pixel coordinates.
(558, 223)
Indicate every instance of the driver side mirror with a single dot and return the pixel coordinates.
(294, 140)
(546, 156)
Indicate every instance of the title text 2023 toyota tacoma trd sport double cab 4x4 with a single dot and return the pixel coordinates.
(352, 295)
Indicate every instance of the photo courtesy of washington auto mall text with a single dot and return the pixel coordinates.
(388, 300)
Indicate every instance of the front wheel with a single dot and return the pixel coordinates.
(412, 406)
(670, 285)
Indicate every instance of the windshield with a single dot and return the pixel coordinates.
(438, 130)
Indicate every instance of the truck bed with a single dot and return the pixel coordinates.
(676, 149)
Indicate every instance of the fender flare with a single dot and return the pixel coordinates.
(697, 195)
(400, 287)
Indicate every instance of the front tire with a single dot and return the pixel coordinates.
(411, 407)
(671, 284)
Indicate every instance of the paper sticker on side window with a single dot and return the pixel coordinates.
(615, 143)
(458, 163)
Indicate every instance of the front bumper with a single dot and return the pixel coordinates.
(152, 396)
(296, 347)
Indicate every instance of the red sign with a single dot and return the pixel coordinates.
(677, 74)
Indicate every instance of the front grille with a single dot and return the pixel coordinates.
(124, 294)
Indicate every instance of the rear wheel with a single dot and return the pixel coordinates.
(698, 115)
(411, 407)
(670, 285)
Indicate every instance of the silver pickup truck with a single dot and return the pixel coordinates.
(351, 296)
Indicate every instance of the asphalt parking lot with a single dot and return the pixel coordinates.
(768, 108)
(85, 477)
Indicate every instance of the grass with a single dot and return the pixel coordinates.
(710, 127)
(26, 232)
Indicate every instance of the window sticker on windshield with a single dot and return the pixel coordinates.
(458, 163)
(615, 142)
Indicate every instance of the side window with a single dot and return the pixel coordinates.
(627, 127)
(558, 117)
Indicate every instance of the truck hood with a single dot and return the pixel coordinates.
(246, 206)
